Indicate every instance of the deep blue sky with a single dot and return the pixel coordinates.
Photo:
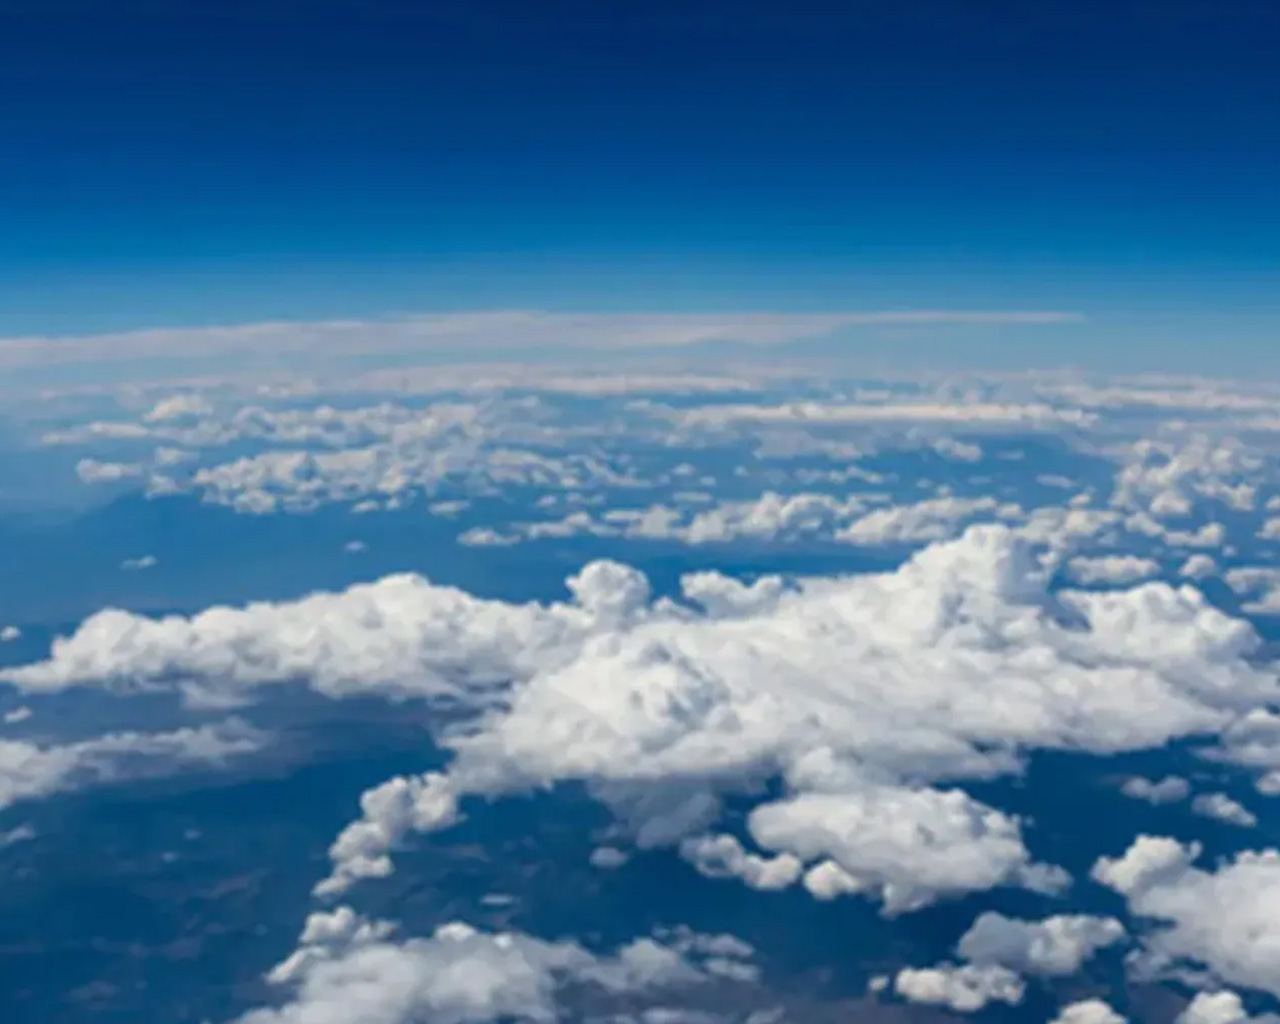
(171, 161)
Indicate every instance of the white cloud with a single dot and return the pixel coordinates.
(608, 858)
(28, 770)
(1222, 808)
(1067, 528)
(723, 856)
(1088, 1011)
(13, 836)
(1114, 570)
(143, 562)
(928, 520)
(863, 694)
(1252, 740)
(17, 715)
(984, 414)
(349, 968)
(400, 635)
(9, 633)
(1165, 394)
(179, 407)
(959, 451)
(484, 536)
(1198, 567)
(1056, 946)
(1260, 584)
(694, 696)
(1166, 479)
(300, 458)
(955, 844)
(1210, 535)
(388, 811)
(1270, 529)
(1169, 790)
(1221, 1007)
(92, 471)
(300, 481)
(778, 517)
(771, 517)
(965, 989)
(1227, 920)
(474, 334)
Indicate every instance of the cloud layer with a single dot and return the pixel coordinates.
(868, 696)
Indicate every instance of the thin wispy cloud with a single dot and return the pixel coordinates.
(501, 331)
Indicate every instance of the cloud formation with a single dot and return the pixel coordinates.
(1056, 946)
(1088, 1011)
(1227, 920)
(965, 989)
(1112, 570)
(469, 333)
(869, 697)
(29, 770)
(348, 968)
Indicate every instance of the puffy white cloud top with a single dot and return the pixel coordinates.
(869, 696)
(1221, 1007)
(1088, 1011)
(963, 989)
(347, 968)
(1055, 946)
(1227, 920)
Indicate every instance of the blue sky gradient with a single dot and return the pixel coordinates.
(186, 163)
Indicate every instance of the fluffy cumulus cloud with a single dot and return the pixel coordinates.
(1198, 567)
(1222, 808)
(998, 952)
(1055, 946)
(349, 968)
(844, 716)
(964, 989)
(865, 695)
(1225, 920)
(823, 735)
(1166, 479)
(1259, 586)
(853, 836)
(1088, 1011)
(940, 689)
(401, 635)
(1254, 741)
(1221, 1007)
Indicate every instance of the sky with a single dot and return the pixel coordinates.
(178, 163)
